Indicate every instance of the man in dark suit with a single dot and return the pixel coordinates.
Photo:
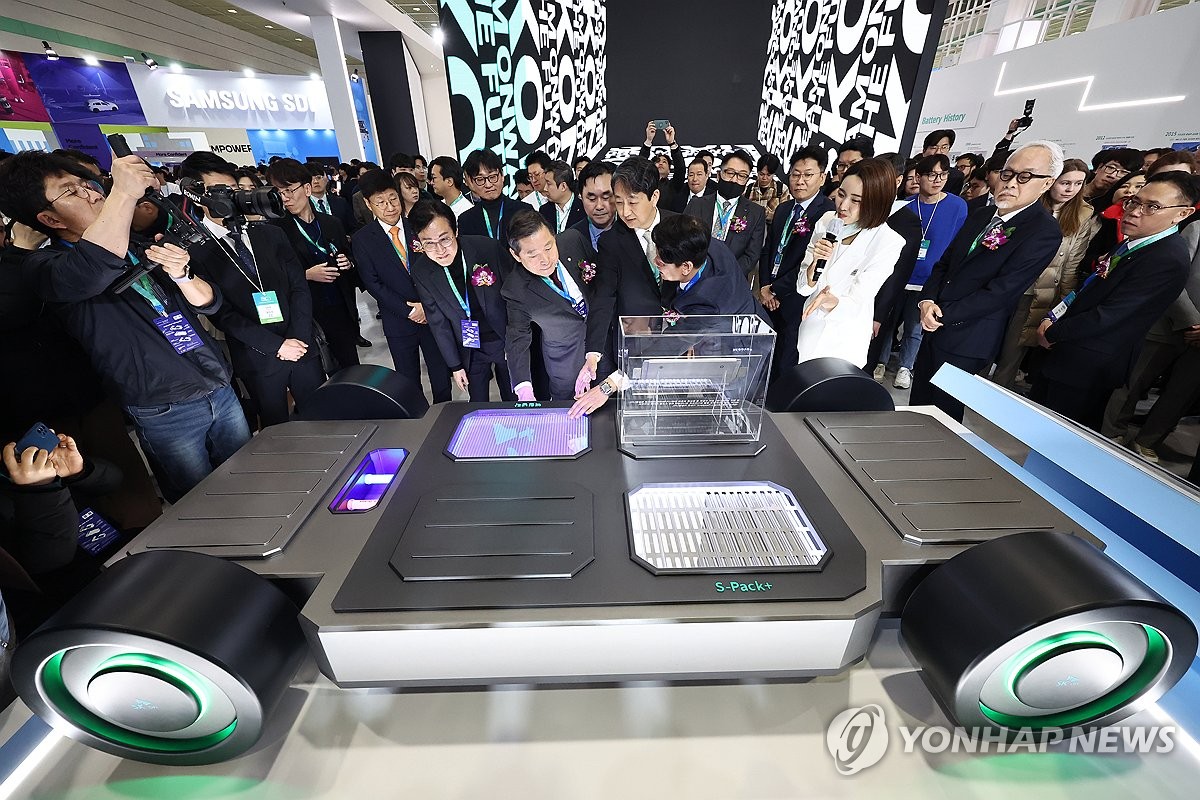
(787, 241)
(991, 169)
(672, 171)
(557, 298)
(579, 242)
(1094, 340)
(326, 202)
(322, 248)
(266, 315)
(628, 283)
(563, 209)
(458, 280)
(384, 253)
(731, 216)
(697, 186)
(710, 279)
(974, 288)
(490, 216)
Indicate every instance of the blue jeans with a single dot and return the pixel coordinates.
(912, 331)
(186, 441)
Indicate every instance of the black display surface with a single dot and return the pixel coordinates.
(555, 533)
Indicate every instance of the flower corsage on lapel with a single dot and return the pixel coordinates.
(481, 275)
(587, 271)
(801, 227)
(415, 246)
(996, 238)
(671, 316)
(738, 225)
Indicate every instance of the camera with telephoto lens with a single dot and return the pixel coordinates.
(231, 204)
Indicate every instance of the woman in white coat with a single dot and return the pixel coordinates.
(838, 315)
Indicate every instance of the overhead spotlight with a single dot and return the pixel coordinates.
(272, 27)
(130, 59)
(50, 54)
(176, 67)
(249, 73)
(299, 38)
(91, 61)
(438, 36)
(231, 10)
(354, 76)
(149, 62)
(316, 76)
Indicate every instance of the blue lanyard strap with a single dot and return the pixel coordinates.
(464, 300)
(724, 218)
(695, 278)
(562, 278)
(145, 287)
(499, 219)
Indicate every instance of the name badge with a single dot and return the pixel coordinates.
(924, 251)
(580, 307)
(470, 333)
(1057, 312)
(267, 305)
(179, 332)
(95, 533)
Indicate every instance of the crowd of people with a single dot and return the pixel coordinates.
(1074, 281)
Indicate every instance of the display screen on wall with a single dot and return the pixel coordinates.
(75, 91)
(526, 75)
(837, 69)
(19, 100)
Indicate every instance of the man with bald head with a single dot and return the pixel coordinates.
(976, 284)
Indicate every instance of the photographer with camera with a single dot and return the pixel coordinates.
(145, 342)
(267, 313)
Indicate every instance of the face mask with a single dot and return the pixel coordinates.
(729, 189)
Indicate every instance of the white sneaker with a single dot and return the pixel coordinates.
(880, 369)
(1146, 452)
(903, 378)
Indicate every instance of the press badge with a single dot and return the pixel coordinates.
(1057, 312)
(267, 306)
(179, 332)
(924, 250)
(470, 333)
(580, 308)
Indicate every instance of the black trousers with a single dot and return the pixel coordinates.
(929, 361)
(268, 380)
(786, 322)
(341, 330)
(1083, 405)
(407, 349)
(487, 359)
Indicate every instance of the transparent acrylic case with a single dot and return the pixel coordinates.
(693, 380)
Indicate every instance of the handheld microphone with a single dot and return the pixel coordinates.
(832, 234)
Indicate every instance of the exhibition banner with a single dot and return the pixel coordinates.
(74, 91)
(19, 99)
(358, 92)
(85, 138)
(213, 99)
(21, 136)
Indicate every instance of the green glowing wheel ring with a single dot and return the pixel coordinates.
(168, 657)
(1042, 630)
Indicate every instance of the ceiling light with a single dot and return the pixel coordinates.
(231, 10)
(149, 62)
(50, 54)
(438, 36)
(314, 76)
(176, 67)
(299, 39)
(268, 26)
(91, 61)
(249, 73)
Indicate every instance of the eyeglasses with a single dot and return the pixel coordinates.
(289, 191)
(487, 179)
(808, 176)
(1112, 169)
(441, 243)
(77, 189)
(731, 175)
(1149, 209)
(1023, 178)
(386, 201)
(938, 176)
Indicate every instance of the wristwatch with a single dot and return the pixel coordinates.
(186, 277)
(607, 387)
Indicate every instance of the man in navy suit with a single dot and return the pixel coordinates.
(562, 209)
(711, 281)
(383, 250)
(557, 298)
(1094, 339)
(458, 280)
(787, 241)
(595, 192)
(326, 202)
(974, 288)
(732, 217)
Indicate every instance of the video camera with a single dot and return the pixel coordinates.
(184, 223)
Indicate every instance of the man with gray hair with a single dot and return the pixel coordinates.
(976, 284)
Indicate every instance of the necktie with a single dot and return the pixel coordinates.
(557, 282)
(995, 223)
(722, 218)
(648, 246)
(398, 242)
(243, 254)
(323, 205)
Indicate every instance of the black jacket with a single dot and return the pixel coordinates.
(906, 223)
(747, 244)
(574, 216)
(442, 309)
(672, 191)
(333, 239)
(136, 362)
(783, 284)
(978, 290)
(385, 277)
(625, 284)
(720, 288)
(339, 208)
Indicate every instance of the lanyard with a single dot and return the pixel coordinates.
(488, 222)
(695, 278)
(724, 219)
(562, 218)
(330, 252)
(925, 226)
(562, 278)
(787, 231)
(464, 300)
(237, 264)
(145, 287)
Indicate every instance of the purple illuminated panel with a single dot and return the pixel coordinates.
(370, 481)
(501, 433)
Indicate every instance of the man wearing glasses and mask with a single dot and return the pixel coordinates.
(974, 287)
(731, 216)
(1094, 335)
(458, 280)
